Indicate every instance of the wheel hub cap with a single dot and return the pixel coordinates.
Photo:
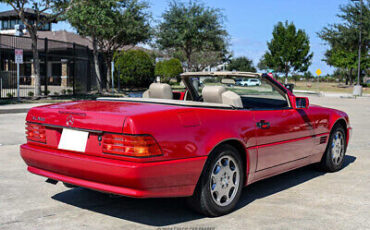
(225, 179)
(337, 148)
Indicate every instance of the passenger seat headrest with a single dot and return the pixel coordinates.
(219, 94)
(159, 90)
(213, 94)
(232, 98)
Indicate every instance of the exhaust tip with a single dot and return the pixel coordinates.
(51, 181)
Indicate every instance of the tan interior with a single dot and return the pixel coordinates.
(213, 94)
(159, 90)
(219, 94)
(165, 101)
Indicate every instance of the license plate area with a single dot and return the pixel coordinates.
(73, 140)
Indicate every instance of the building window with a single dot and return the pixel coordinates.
(5, 24)
(12, 23)
(9, 24)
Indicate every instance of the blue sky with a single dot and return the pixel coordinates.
(250, 23)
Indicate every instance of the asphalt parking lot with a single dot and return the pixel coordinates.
(300, 199)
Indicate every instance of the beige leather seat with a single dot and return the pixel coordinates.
(158, 90)
(219, 94)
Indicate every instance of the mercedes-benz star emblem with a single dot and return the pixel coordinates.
(70, 120)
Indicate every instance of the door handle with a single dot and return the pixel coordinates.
(263, 124)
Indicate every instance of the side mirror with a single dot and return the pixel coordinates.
(301, 102)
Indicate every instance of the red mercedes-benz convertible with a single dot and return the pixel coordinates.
(205, 139)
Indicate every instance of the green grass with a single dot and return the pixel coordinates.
(325, 87)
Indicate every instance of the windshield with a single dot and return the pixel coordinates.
(254, 92)
(243, 86)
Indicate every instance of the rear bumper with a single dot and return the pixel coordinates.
(173, 178)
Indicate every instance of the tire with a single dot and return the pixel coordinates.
(69, 185)
(220, 185)
(333, 157)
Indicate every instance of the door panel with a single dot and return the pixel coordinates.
(287, 138)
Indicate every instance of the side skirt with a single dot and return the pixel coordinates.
(270, 172)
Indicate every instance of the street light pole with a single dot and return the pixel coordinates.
(357, 89)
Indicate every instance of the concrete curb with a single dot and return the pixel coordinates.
(6, 111)
(18, 108)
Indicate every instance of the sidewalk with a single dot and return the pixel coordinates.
(341, 95)
(18, 108)
(328, 94)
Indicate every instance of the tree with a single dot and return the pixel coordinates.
(112, 25)
(288, 50)
(262, 65)
(191, 28)
(241, 64)
(169, 69)
(136, 68)
(296, 77)
(308, 75)
(46, 11)
(343, 39)
(203, 59)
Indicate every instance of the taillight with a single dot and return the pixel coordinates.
(35, 132)
(130, 145)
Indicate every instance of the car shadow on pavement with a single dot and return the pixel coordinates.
(169, 211)
(283, 181)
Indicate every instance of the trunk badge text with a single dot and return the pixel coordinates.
(38, 118)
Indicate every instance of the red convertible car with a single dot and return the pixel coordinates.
(204, 139)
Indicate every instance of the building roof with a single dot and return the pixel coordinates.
(70, 37)
(28, 13)
(57, 39)
(65, 36)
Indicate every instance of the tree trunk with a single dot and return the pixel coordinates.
(350, 76)
(286, 77)
(36, 63)
(346, 76)
(286, 73)
(108, 61)
(96, 64)
(188, 59)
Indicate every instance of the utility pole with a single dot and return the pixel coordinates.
(357, 89)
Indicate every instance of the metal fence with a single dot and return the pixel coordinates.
(65, 67)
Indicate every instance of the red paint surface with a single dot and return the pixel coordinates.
(186, 136)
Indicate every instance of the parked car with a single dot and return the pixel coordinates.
(207, 144)
(249, 82)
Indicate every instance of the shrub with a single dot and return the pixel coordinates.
(136, 68)
(56, 93)
(64, 91)
(211, 80)
(169, 69)
(47, 92)
(10, 95)
(243, 64)
(30, 94)
(69, 91)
